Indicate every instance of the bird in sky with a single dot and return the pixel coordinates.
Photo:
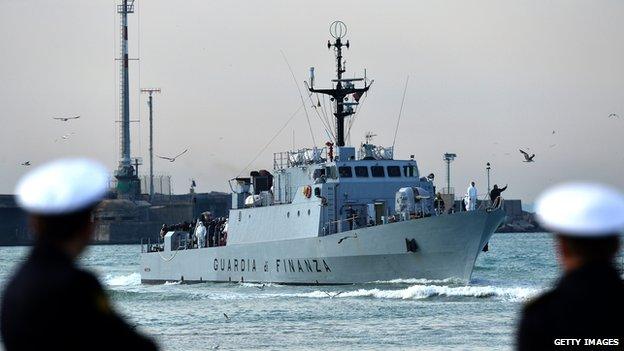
(614, 115)
(552, 145)
(65, 136)
(527, 158)
(172, 159)
(27, 163)
(553, 132)
(65, 119)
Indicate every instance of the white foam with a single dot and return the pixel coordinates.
(420, 281)
(259, 285)
(417, 292)
(123, 280)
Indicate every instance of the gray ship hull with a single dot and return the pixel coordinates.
(448, 247)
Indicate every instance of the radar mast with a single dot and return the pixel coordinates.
(344, 87)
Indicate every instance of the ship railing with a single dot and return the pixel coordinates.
(300, 157)
(148, 246)
(447, 191)
(375, 151)
(330, 227)
(488, 205)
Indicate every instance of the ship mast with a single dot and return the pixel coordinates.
(343, 87)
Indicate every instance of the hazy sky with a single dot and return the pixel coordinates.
(486, 78)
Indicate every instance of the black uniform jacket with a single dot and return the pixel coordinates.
(588, 303)
(50, 304)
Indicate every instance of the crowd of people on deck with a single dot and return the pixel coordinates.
(206, 231)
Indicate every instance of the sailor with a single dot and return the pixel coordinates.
(438, 203)
(50, 303)
(211, 232)
(200, 234)
(495, 194)
(163, 231)
(351, 216)
(471, 197)
(586, 303)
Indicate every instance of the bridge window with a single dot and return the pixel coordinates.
(361, 171)
(331, 172)
(318, 173)
(394, 171)
(408, 171)
(378, 171)
(345, 172)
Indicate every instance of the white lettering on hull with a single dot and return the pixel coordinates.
(281, 265)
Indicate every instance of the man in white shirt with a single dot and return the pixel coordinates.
(472, 197)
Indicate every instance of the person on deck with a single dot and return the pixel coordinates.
(200, 234)
(438, 203)
(495, 194)
(471, 194)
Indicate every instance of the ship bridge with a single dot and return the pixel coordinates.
(325, 190)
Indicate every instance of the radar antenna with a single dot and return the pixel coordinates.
(369, 137)
(344, 87)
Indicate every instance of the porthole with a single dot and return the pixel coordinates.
(308, 211)
(298, 213)
(287, 214)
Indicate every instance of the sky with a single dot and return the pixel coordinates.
(486, 78)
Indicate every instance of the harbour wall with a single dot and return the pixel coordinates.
(122, 221)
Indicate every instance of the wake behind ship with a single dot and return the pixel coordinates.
(330, 215)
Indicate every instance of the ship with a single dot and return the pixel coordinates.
(328, 215)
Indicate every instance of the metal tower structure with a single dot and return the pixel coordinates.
(344, 87)
(448, 158)
(150, 103)
(128, 184)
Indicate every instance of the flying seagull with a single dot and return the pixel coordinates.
(331, 296)
(65, 136)
(614, 115)
(527, 158)
(65, 119)
(27, 163)
(172, 159)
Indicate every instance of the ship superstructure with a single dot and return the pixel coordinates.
(335, 214)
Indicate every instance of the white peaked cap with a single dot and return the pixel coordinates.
(586, 210)
(62, 186)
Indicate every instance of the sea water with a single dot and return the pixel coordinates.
(389, 315)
